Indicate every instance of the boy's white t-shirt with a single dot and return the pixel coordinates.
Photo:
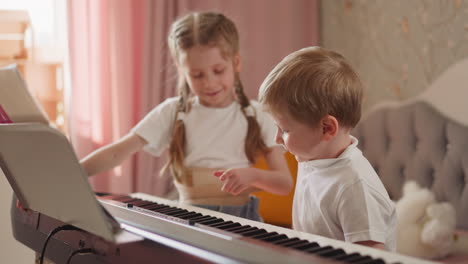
(215, 136)
(344, 199)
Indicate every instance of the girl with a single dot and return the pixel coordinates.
(213, 132)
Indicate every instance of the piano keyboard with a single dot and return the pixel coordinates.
(235, 239)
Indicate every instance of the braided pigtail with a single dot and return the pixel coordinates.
(175, 164)
(254, 144)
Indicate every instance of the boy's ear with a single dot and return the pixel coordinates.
(329, 127)
(237, 62)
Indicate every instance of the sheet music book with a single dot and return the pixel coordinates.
(41, 166)
(16, 100)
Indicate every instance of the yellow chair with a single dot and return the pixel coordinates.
(277, 209)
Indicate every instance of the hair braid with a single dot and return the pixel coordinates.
(175, 164)
(254, 143)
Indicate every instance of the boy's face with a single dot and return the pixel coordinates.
(210, 75)
(303, 141)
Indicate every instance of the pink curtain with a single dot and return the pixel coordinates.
(121, 68)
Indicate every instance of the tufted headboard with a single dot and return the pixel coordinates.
(423, 139)
(416, 142)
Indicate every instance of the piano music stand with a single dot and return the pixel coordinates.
(41, 166)
(16, 99)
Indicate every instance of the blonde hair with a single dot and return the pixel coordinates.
(215, 30)
(311, 83)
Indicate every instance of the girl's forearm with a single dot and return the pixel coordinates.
(274, 181)
(99, 161)
(112, 155)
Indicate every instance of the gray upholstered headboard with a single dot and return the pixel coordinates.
(414, 141)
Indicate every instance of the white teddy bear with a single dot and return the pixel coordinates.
(425, 227)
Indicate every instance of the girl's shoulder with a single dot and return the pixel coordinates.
(168, 107)
(170, 101)
(169, 104)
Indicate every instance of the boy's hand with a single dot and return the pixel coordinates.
(236, 181)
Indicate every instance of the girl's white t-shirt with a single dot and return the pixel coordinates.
(215, 136)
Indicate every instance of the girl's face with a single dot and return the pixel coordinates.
(209, 75)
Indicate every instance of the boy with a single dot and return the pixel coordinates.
(315, 99)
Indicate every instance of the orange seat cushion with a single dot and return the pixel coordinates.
(277, 209)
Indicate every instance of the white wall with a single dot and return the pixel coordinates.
(11, 251)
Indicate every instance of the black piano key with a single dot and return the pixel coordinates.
(243, 231)
(177, 211)
(142, 203)
(225, 225)
(264, 236)
(150, 206)
(210, 220)
(191, 216)
(319, 249)
(275, 238)
(130, 200)
(156, 208)
(348, 256)
(181, 212)
(362, 260)
(297, 243)
(255, 232)
(282, 242)
(199, 218)
(332, 253)
(162, 208)
(353, 258)
(294, 242)
(239, 228)
(185, 215)
(306, 246)
(378, 261)
(276, 242)
(166, 210)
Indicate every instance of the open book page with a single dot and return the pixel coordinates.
(15, 99)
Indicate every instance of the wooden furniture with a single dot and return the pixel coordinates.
(44, 78)
(13, 26)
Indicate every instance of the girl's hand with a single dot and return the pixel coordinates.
(236, 181)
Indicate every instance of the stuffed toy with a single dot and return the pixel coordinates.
(425, 227)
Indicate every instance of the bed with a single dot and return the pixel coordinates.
(424, 139)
